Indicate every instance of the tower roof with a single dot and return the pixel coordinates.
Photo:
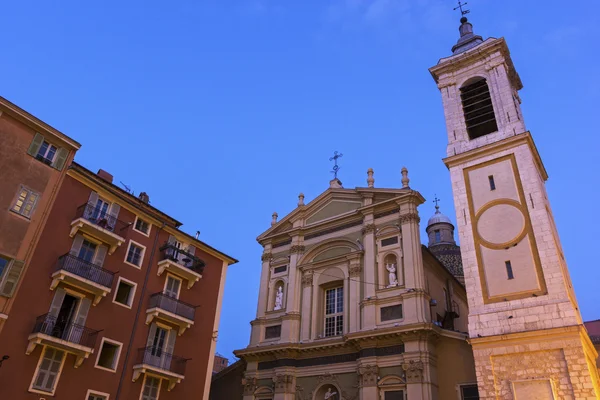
(467, 39)
(438, 217)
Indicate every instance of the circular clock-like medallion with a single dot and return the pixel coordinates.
(501, 224)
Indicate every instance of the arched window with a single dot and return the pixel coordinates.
(478, 108)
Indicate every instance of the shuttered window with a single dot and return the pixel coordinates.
(151, 387)
(9, 276)
(25, 202)
(478, 109)
(47, 153)
(48, 370)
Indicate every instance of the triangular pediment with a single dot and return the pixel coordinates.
(332, 209)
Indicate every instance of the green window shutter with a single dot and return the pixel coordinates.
(57, 300)
(82, 314)
(77, 242)
(151, 334)
(100, 255)
(12, 278)
(60, 158)
(34, 147)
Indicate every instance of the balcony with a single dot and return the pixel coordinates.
(171, 310)
(95, 222)
(157, 362)
(181, 263)
(83, 275)
(72, 338)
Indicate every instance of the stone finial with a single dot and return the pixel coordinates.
(405, 179)
(274, 221)
(370, 179)
(300, 199)
(335, 183)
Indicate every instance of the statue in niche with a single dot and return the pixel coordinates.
(279, 299)
(330, 395)
(393, 279)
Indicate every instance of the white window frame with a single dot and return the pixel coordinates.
(118, 355)
(336, 314)
(176, 278)
(37, 369)
(134, 288)
(30, 192)
(149, 226)
(144, 385)
(141, 257)
(50, 145)
(96, 393)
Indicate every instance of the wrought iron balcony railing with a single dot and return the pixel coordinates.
(85, 269)
(182, 257)
(68, 331)
(101, 218)
(156, 357)
(170, 304)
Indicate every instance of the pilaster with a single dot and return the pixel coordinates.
(306, 312)
(368, 306)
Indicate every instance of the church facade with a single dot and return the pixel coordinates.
(352, 306)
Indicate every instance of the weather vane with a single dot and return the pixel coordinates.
(336, 168)
(460, 5)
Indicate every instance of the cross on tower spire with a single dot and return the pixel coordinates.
(460, 6)
(437, 206)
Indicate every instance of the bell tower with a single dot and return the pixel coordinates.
(524, 322)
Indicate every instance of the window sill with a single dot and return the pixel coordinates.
(105, 369)
(19, 215)
(133, 265)
(123, 305)
(38, 391)
(142, 233)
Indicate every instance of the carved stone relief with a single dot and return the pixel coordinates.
(414, 371)
(368, 375)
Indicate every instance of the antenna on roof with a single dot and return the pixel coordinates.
(127, 188)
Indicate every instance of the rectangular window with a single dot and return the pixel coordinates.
(391, 313)
(125, 292)
(151, 388)
(108, 357)
(48, 371)
(26, 202)
(492, 183)
(278, 270)
(87, 251)
(142, 226)
(3, 265)
(389, 241)
(334, 311)
(469, 392)
(478, 109)
(135, 254)
(509, 270)
(172, 286)
(438, 236)
(393, 395)
(272, 332)
(96, 396)
(46, 153)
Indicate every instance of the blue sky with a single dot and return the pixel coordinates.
(223, 111)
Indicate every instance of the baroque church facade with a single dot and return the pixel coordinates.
(353, 306)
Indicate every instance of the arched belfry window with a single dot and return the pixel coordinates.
(478, 109)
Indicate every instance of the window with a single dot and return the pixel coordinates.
(393, 395)
(438, 236)
(492, 183)
(391, 313)
(92, 395)
(125, 292)
(389, 241)
(509, 270)
(87, 251)
(26, 202)
(334, 311)
(3, 264)
(469, 392)
(48, 370)
(478, 109)
(278, 270)
(172, 286)
(135, 254)
(142, 226)
(108, 356)
(272, 332)
(47, 153)
(151, 388)
(10, 273)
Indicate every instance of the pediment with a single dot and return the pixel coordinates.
(332, 209)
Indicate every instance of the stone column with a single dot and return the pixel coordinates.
(285, 386)
(250, 384)
(367, 382)
(415, 389)
(306, 312)
(355, 275)
(290, 328)
(264, 282)
(368, 307)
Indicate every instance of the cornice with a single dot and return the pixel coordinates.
(493, 148)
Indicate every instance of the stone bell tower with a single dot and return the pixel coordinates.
(524, 322)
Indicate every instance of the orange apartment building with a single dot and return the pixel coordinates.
(115, 302)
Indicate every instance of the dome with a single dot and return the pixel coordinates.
(437, 218)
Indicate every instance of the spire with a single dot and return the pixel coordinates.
(437, 206)
(467, 39)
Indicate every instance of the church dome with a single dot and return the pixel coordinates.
(438, 217)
